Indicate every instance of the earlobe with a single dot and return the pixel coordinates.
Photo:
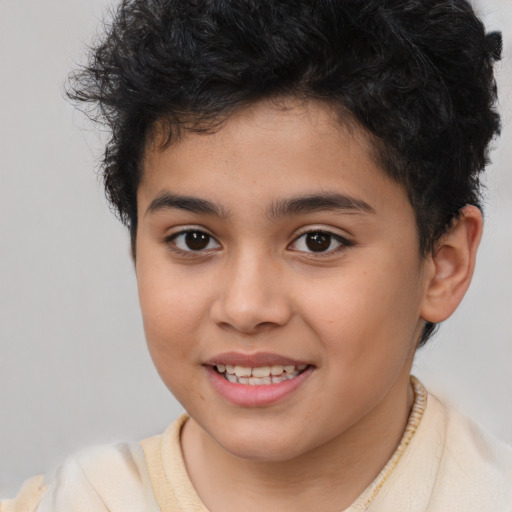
(453, 263)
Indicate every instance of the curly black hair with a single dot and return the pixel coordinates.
(416, 75)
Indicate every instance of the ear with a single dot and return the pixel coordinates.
(452, 266)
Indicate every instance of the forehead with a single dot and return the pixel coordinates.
(292, 147)
(292, 123)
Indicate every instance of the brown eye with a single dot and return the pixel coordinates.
(193, 241)
(318, 242)
(196, 241)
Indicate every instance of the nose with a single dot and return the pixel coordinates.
(250, 297)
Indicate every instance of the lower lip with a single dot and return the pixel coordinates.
(246, 395)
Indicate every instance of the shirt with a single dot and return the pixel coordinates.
(444, 462)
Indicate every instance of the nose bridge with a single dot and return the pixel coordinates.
(250, 293)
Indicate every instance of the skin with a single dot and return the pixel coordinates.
(354, 312)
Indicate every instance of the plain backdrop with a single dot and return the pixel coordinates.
(74, 369)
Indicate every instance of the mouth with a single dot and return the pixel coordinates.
(260, 375)
(257, 380)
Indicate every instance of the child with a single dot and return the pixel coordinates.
(300, 181)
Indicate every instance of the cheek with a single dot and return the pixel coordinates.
(172, 311)
(167, 296)
(361, 313)
(169, 316)
(168, 325)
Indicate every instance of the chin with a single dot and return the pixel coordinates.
(262, 451)
(265, 444)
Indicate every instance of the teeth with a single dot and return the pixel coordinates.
(255, 381)
(242, 371)
(276, 370)
(261, 375)
(262, 371)
(284, 376)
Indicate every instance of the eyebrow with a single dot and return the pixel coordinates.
(280, 208)
(317, 203)
(167, 201)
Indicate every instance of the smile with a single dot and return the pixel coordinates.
(259, 376)
(257, 380)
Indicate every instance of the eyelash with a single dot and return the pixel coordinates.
(170, 241)
(342, 241)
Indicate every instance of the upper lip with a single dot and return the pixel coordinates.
(253, 360)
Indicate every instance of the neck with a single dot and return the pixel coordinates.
(330, 477)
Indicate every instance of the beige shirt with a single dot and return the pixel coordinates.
(444, 463)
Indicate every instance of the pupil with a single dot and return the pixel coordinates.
(196, 240)
(318, 242)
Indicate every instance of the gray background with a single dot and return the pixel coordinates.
(73, 364)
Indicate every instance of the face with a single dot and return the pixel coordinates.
(276, 249)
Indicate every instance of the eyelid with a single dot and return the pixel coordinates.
(344, 241)
(328, 230)
(183, 230)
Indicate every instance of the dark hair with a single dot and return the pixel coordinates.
(415, 74)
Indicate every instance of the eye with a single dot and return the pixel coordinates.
(319, 242)
(193, 241)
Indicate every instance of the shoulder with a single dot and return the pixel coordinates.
(473, 465)
(110, 478)
(449, 464)
(28, 498)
